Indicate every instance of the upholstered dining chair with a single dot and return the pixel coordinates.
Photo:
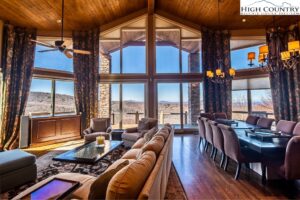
(285, 126)
(296, 130)
(218, 139)
(251, 119)
(98, 127)
(234, 151)
(201, 129)
(289, 170)
(220, 115)
(207, 115)
(265, 123)
(208, 135)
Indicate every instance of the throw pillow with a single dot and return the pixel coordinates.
(156, 144)
(98, 125)
(99, 186)
(148, 136)
(163, 132)
(142, 126)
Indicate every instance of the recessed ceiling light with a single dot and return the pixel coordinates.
(58, 21)
(244, 20)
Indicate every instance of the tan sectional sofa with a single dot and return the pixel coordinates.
(145, 177)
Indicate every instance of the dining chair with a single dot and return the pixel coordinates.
(208, 135)
(285, 126)
(201, 129)
(296, 130)
(233, 150)
(265, 123)
(207, 115)
(251, 119)
(218, 140)
(220, 115)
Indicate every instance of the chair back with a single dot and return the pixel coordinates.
(286, 126)
(251, 119)
(153, 122)
(292, 157)
(100, 124)
(208, 130)
(296, 130)
(217, 136)
(265, 123)
(231, 143)
(201, 128)
(220, 115)
(207, 115)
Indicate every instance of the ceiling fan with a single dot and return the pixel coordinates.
(61, 45)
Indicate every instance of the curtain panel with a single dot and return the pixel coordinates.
(285, 84)
(17, 67)
(216, 46)
(86, 71)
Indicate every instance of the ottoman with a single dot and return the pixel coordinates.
(16, 168)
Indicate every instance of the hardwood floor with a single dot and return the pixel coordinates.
(202, 177)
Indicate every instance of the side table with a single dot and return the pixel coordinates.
(116, 134)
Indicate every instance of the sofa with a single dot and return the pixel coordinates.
(98, 127)
(145, 177)
(131, 135)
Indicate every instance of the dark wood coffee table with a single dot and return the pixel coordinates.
(88, 153)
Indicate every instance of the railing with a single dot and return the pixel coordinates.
(137, 116)
(258, 113)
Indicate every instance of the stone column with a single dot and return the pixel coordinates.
(105, 88)
(194, 89)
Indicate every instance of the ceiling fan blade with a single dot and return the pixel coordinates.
(82, 51)
(67, 43)
(41, 51)
(44, 44)
(68, 54)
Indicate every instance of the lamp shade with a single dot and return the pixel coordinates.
(261, 58)
(251, 56)
(232, 72)
(263, 49)
(294, 45)
(285, 55)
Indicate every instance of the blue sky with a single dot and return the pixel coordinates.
(134, 61)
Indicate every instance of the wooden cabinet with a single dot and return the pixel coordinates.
(54, 129)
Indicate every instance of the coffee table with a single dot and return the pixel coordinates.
(88, 153)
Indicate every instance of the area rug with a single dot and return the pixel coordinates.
(47, 167)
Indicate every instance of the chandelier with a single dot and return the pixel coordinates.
(290, 58)
(220, 75)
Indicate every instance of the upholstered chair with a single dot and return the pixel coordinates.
(201, 129)
(218, 139)
(98, 127)
(233, 150)
(296, 130)
(208, 135)
(286, 126)
(207, 115)
(265, 123)
(220, 115)
(131, 135)
(251, 119)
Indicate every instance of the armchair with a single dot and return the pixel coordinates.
(98, 127)
(131, 135)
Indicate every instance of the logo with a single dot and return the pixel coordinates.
(270, 7)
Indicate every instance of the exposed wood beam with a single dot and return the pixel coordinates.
(1, 36)
(151, 7)
(116, 24)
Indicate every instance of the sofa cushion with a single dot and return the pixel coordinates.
(139, 144)
(143, 125)
(99, 186)
(156, 144)
(15, 159)
(152, 122)
(131, 136)
(131, 154)
(163, 132)
(99, 125)
(129, 181)
(148, 136)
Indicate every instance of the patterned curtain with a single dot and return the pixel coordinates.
(216, 46)
(285, 84)
(17, 67)
(86, 70)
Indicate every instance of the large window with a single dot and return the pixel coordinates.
(49, 97)
(191, 56)
(53, 60)
(251, 96)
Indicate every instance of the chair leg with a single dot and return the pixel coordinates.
(215, 154)
(226, 163)
(263, 175)
(222, 160)
(238, 170)
(200, 140)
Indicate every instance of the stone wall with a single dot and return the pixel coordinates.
(194, 89)
(104, 89)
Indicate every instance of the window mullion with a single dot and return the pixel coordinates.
(53, 96)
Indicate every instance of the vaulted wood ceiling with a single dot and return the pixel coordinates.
(83, 14)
